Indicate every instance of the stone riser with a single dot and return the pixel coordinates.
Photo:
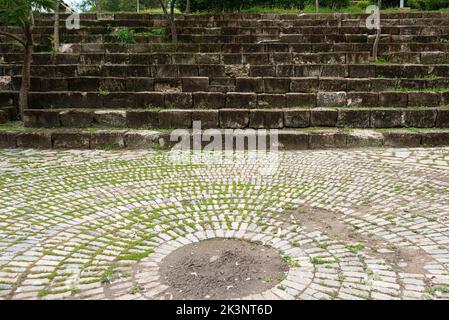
(215, 71)
(241, 118)
(416, 29)
(205, 84)
(249, 16)
(235, 48)
(356, 57)
(206, 59)
(229, 22)
(288, 139)
(218, 100)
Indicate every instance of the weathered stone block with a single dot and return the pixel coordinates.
(435, 139)
(209, 100)
(34, 140)
(331, 99)
(304, 84)
(442, 120)
(209, 118)
(358, 118)
(393, 99)
(361, 71)
(110, 118)
(107, 139)
(357, 85)
(179, 100)
(271, 100)
(141, 139)
(420, 118)
(323, 139)
(212, 71)
(175, 119)
(300, 99)
(269, 119)
(241, 100)
(276, 85)
(297, 118)
(76, 118)
(41, 118)
(139, 84)
(8, 139)
(234, 118)
(249, 85)
(332, 84)
(367, 99)
(167, 85)
(262, 71)
(142, 119)
(194, 84)
(364, 139)
(388, 118)
(70, 140)
(402, 139)
(425, 99)
(293, 140)
(153, 99)
(323, 117)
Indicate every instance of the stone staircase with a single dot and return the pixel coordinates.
(239, 71)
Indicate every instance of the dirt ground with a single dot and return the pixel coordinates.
(221, 269)
(409, 260)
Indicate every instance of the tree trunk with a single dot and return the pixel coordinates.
(98, 5)
(56, 28)
(170, 17)
(187, 6)
(217, 6)
(377, 39)
(26, 70)
(317, 6)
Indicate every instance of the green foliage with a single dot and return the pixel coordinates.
(118, 5)
(17, 12)
(428, 4)
(335, 4)
(125, 35)
(234, 5)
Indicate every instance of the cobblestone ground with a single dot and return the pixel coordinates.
(354, 224)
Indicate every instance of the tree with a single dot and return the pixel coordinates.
(377, 39)
(19, 13)
(56, 26)
(169, 14)
(98, 5)
(187, 7)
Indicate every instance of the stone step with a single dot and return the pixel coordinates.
(357, 57)
(10, 113)
(3, 116)
(232, 48)
(256, 29)
(318, 138)
(241, 118)
(393, 71)
(228, 84)
(251, 16)
(202, 58)
(219, 100)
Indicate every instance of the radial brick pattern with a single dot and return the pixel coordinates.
(360, 224)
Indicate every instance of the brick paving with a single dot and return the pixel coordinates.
(359, 224)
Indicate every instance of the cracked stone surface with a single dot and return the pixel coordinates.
(352, 224)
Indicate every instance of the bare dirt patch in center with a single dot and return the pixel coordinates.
(221, 269)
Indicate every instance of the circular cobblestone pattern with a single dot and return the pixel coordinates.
(349, 224)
